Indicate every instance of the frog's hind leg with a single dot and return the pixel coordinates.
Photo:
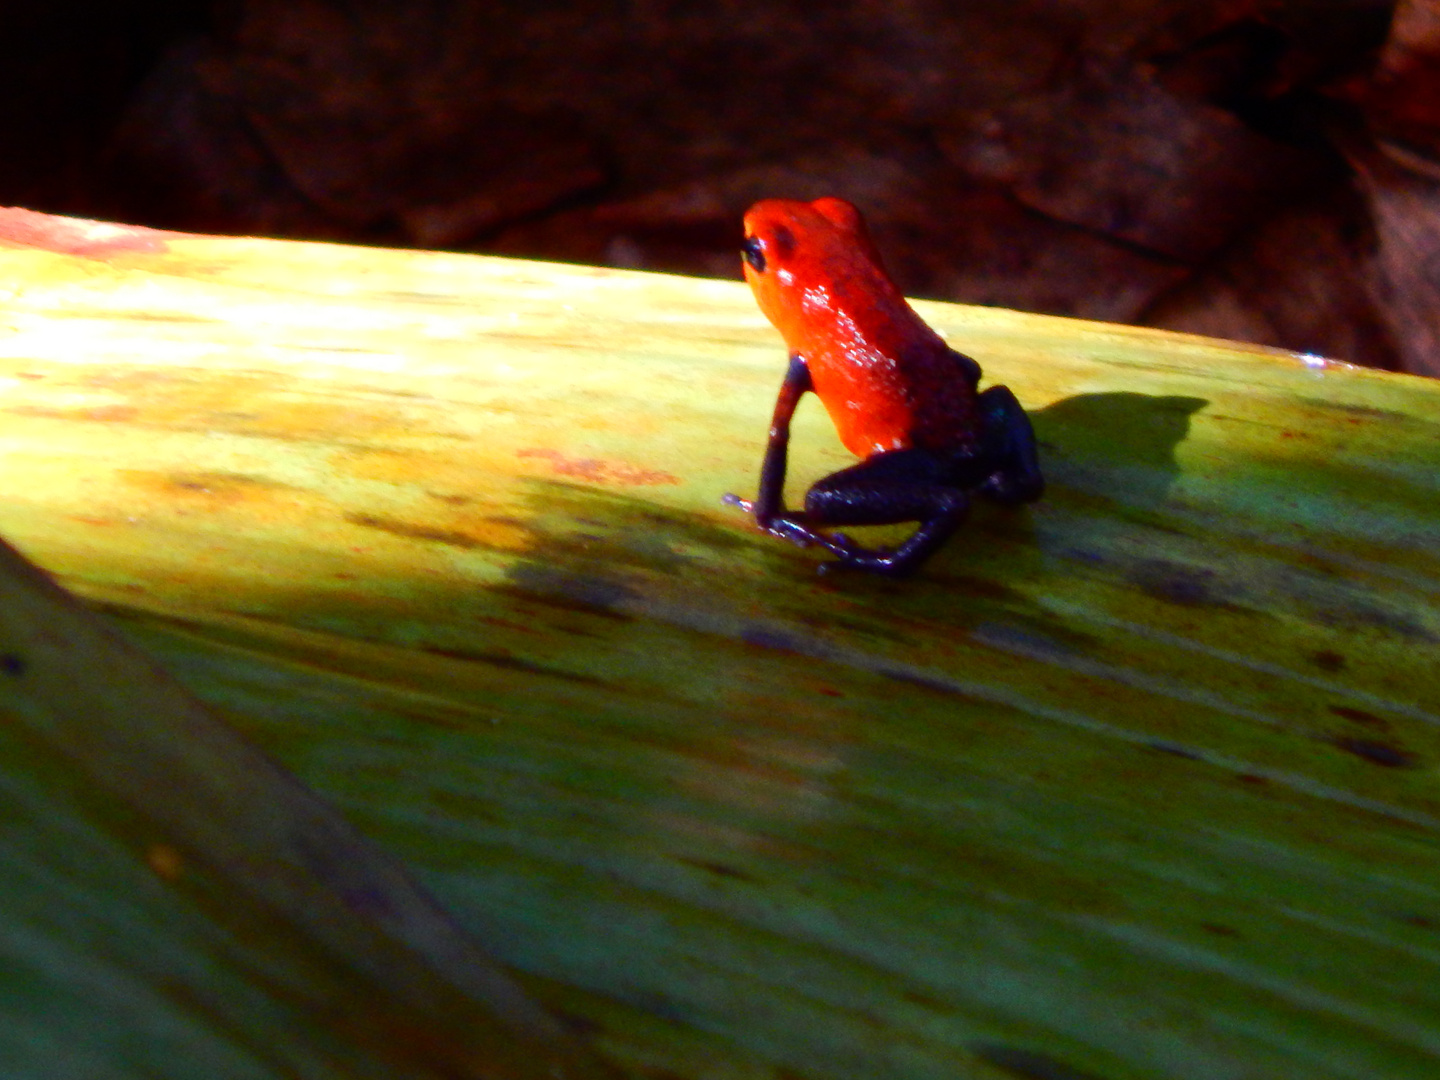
(902, 485)
(1008, 442)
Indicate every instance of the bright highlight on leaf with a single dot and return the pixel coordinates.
(1137, 782)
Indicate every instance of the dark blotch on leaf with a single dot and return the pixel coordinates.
(770, 639)
(719, 869)
(11, 664)
(1359, 716)
(410, 531)
(1219, 929)
(1176, 583)
(1391, 757)
(1327, 660)
(1030, 1064)
(512, 663)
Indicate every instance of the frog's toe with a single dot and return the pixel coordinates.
(796, 533)
(731, 499)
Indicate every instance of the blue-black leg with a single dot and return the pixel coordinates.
(770, 502)
(901, 485)
(1008, 448)
(769, 505)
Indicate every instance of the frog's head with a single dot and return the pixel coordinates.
(799, 257)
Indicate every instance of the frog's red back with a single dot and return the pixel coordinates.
(887, 380)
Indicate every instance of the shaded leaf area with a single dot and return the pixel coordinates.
(177, 905)
(1206, 165)
(1137, 782)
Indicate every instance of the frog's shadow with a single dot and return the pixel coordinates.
(1120, 444)
(1118, 447)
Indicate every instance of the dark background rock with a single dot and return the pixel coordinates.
(1259, 169)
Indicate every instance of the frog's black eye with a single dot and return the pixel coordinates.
(750, 249)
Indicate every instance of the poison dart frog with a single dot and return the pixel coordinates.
(901, 399)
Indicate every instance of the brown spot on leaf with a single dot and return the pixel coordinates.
(1359, 716)
(112, 414)
(1327, 660)
(599, 470)
(165, 861)
(1219, 929)
(12, 664)
(72, 236)
(411, 531)
(719, 869)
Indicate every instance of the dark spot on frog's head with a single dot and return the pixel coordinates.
(1326, 660)
(1378, 753)
(1030, 1064)
(1359, 716)
(12, 664)
(782, 242)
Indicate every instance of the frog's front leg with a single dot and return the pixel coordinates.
(769, 505)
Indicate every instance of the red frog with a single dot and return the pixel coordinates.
(901, 399)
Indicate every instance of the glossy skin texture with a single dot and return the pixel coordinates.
(901, 399)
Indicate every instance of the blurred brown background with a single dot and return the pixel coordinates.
(1259, 169)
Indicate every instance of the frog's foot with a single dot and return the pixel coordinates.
(781, 525)
(794, 528)
(951, 508)
(884, 561)
(798, 531)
